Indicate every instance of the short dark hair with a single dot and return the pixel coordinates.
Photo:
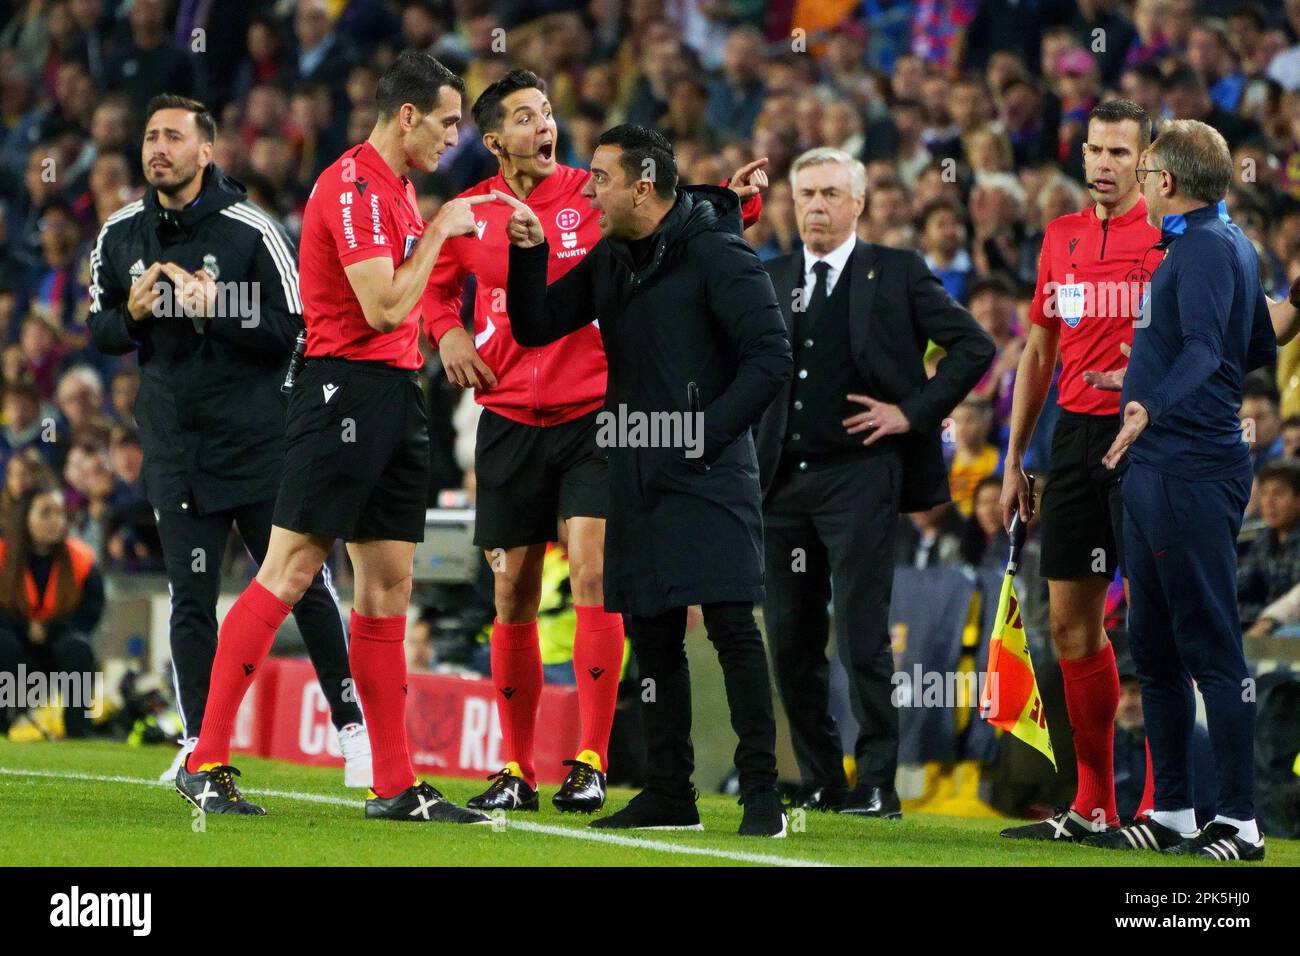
(489, 109)
(1281, 469)
(1250, 11)
(936, 206)
(1117, 111)
(996, 281)
(1260, 384)
(642, 146)
(1184, 77)
(1291, 421)
(1148, 72)
(174, 101)
(414, 78)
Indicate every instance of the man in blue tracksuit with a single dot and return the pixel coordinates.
(1204, 325)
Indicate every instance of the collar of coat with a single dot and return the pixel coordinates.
(219, 191)
(698, 209)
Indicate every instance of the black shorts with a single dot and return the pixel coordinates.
(1081, 510)
(357, 463)
(530, 476)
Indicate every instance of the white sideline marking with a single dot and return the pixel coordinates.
(639, 843)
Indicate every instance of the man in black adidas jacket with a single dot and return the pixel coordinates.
(203, 284)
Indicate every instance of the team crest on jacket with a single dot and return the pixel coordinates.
(566, 220)
(210, 266)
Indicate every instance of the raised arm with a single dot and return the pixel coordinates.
(388, 295)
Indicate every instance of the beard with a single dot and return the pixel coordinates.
(177, 181)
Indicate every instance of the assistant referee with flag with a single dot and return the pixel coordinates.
(1205, 326)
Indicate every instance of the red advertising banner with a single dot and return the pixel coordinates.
(451, 722)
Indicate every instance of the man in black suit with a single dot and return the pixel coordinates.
(850, 442)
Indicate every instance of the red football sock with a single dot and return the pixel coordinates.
(378, 662)
(1092, 697)
(1148, 802)
(597, 661)
(244, 641)
(517, 676)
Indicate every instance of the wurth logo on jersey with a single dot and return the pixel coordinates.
(349, 234)
(568, 239)
(380, 238)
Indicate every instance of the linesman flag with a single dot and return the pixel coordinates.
(1009, 699)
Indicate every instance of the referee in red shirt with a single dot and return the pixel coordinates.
(1092, 271)
(358, 458)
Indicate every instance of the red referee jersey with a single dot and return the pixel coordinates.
(543, 386)
(1092, 274)
(358, 209)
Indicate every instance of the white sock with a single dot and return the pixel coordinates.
(1182, 822)
(1248, 830)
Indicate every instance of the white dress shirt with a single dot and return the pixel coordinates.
(836, 258)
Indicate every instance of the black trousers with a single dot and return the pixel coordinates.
(68, 653)
(193, 546)
(660, 646)
(829, 541)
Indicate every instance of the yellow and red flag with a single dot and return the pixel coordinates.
(1010, 699)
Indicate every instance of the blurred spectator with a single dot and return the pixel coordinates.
(149, 63)
(1271, 565)
(1291, 436)
(54, 289)
(992, 300)
(974, 458)
(1187, 97)
(736, 99)
(320, 54)
(1209, 53)
(24, 471)
(51, 598)
(1261, 424)
(931, 538)
(125, 387)
(24, 426)
(1090, 16)
(1285, 67)
(943, 242)
(985, 542)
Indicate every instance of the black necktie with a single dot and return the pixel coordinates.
(805, 320)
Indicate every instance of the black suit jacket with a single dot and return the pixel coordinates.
(896, 306)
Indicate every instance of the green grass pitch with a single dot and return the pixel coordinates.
(74, 803)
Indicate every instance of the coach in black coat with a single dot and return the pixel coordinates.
(690, 324)
(691, 327)
(210, 408)
(850, 442)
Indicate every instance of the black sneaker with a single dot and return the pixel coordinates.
(214, 791)
(650, 811)
(583, 790)
(421, 804)
(1143, 834)
(764, 816)
(506, 792)
(1066, 825)
(1219, 841)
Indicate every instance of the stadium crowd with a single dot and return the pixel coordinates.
(969, 115)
